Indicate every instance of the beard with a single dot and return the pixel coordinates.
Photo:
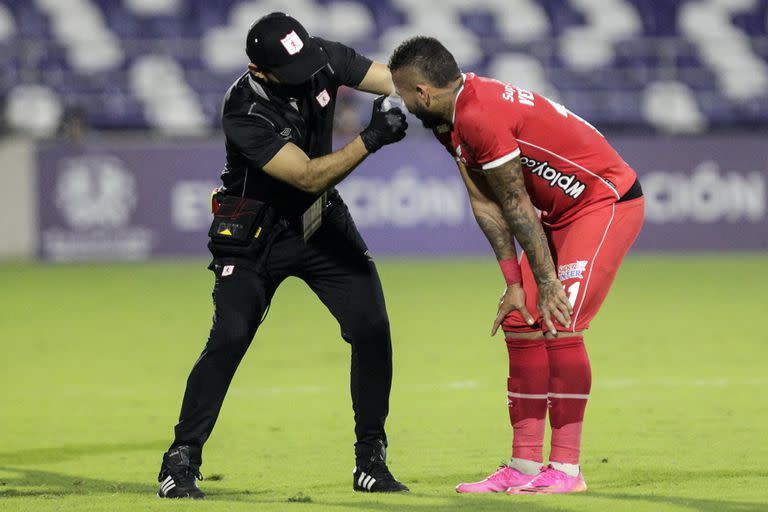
(428, 119)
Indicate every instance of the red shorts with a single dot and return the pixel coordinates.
(587, 254)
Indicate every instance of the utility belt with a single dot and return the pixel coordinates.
(245, 228)
(242, 227)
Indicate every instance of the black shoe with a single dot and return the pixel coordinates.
(371, 474)
(179, 474)
(376, 478)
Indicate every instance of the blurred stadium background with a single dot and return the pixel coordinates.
(118, 101)
(110, 144)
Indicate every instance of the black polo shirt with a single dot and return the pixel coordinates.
(257, 125)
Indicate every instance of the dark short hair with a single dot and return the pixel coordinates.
(429, 56)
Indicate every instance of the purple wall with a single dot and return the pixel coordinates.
(133, 201)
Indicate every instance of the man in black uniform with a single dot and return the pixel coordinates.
(278, 215)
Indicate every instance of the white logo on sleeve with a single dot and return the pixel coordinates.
(323, 98)
(227, 270)
(292, 43)
(459, 156)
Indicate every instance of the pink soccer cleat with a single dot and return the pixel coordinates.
(503, 479)
(552, 481)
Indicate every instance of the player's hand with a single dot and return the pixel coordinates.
(386, 126)
(512, 300)
(554, 304)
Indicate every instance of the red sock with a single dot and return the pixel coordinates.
(570, 379)
(527, 394)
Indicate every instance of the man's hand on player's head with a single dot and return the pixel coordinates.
(386, 126)
(512, 300)
(553, 303)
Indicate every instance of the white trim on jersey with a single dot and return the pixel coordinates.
(456, 99)
(591, 265)
(601, 180)
(501, 161)
(526, 395)
(568, 395)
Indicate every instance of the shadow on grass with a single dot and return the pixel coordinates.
(51, 484)
(57, 484)
(63, 453)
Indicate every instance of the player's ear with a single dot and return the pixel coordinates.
(255, 71)
(423, 92)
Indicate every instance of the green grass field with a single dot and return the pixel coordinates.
(94, 362)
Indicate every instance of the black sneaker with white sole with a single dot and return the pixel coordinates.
(179, 474)
(372, 475)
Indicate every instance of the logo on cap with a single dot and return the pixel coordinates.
(292, 43)
(323, 98)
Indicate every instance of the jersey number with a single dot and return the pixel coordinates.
(565, 113)
(573, 291)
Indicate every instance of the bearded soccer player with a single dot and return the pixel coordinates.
(519, 152)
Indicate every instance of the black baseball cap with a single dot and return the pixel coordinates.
(280, 45)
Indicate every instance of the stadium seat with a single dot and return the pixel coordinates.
(519, 20)
(7, 24)
(80, 25)
(671, 107)
(724, 48)
(154, 7)
(33, 109)
(592, 54)
(421, 19)
(524, 71)
(170, 105)
(607, 22)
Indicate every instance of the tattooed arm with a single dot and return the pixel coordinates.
(506, 182)
(491, 220)
(488, 214)
(508, 187)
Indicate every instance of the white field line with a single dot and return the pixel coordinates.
(463, 385)
(598, 385)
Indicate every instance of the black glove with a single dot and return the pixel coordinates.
(386, 127)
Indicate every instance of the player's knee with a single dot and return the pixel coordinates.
(232, 335)
(371, 325)
(379, 322)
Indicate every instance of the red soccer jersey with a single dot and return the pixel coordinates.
(569, 167)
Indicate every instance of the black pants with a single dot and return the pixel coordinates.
(336, 266)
